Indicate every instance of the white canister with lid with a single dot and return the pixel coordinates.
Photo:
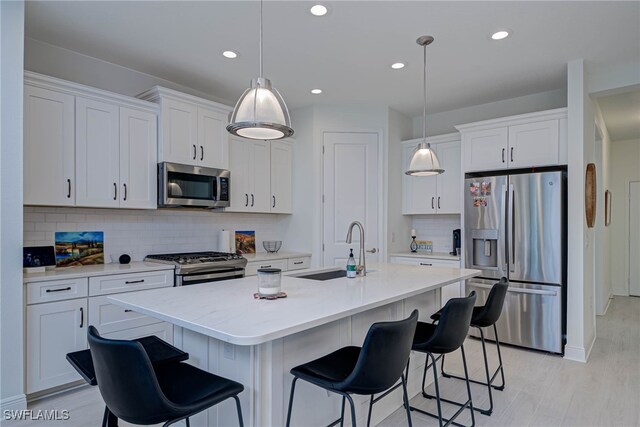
(269, 281)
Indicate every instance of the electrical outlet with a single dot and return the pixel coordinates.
(229, 351)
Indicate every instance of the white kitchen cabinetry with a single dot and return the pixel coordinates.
(53, 330)
(59, 310)
(454, 290)
(261, 175)
(192, 130)
(528, 140)
(49, 139)
(438, 194)
(284, 261)
(101, 146)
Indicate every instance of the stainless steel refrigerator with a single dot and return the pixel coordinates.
(515, 226)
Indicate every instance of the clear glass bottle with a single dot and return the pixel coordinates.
(351, 266)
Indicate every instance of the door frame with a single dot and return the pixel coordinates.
(382, 190)
(628, 233)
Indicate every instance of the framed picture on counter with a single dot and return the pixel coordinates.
(246, 242)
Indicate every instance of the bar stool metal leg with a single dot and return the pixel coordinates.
(342, 412)
(293, 389)
(238, 408)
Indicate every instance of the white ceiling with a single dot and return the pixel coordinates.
(621, 114)
(348, 52)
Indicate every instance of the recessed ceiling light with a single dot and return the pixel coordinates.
(230, 54)
(499, 35)
(316, 91)
(397, 65)
(318, 10)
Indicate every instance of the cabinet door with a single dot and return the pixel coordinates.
(418, 192)
(260, 176)
(485, 149)
(49, 147)
(239, 168)
(534, 144)
(53, 330)
(97, 154)
(213, 140)
(450, 181)
(138, 159)
(281, 177)
(179, 132)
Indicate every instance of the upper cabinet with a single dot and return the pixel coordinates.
(87, 147)
(437, 194)
(192, 130)
(527, 140)
(261, 175)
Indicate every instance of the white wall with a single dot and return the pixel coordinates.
(444, 122)
(437, 228)
(11, 291)
(625, 167)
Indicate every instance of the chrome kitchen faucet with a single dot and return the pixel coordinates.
(361, 269)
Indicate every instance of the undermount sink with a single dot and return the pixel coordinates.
(324, 275)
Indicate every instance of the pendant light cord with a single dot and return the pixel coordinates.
(260, 38)
(424, 99)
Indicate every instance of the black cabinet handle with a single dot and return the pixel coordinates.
(125, 191)
(503, 155)
(298, 262)
(512, 154)
(438, 202)
(246, 200)
(126, 310)
(81, 317)
(194, 151)
(68, 188)
(68, 288)
(265, 266)
(115, 191)
(252, 200)
(427, 264)
(201, 152)
(274, 201)
(432, 200)
(128, 282)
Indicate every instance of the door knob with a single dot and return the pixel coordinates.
(373, 251)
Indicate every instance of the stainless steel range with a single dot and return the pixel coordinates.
(200, 267)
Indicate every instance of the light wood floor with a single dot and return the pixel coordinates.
(542, 389)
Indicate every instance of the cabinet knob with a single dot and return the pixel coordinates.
(115, 191)
(68, 188)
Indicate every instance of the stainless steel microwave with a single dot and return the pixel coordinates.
(192, 186)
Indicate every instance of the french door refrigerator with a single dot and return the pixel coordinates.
(515, 226)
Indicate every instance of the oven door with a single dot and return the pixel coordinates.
(205, 277)
(192, 186)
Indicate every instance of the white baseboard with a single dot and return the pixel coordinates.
(590, 347)
(606, 307)
(13, 403)
(577, 354)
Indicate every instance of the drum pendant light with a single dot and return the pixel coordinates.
(260, 113)
(424, 161)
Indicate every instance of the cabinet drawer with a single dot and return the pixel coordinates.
(103, 285)
(252, 267)
(162, 330)
(56, 290)
(108, 317)
(298, 263)
(428, 262)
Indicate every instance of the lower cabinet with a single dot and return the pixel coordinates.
(284, 264)
(53, 330)
(453, 290)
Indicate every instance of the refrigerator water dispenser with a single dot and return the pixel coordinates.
(485, 248)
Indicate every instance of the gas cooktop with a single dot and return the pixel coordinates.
(190, 262)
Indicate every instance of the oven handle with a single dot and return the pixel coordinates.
(195, 277)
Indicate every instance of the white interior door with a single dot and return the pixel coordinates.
(634, 238)
(351, 193)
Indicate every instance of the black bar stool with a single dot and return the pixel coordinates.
(139, 393)
(369, 370)
(483, 317)
(446, 336)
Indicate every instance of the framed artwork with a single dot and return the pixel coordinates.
(74, 248)
(590, 194)
(38, 256)
(246, 242)
(607, 208)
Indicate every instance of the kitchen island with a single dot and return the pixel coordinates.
(256, 342)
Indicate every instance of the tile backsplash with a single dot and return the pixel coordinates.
(438, 229)
(142, 232)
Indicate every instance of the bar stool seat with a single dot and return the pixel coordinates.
(331, 370)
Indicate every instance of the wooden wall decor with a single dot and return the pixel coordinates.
(607, 208)
(590, 194)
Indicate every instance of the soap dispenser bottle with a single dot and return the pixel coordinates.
(351, 266)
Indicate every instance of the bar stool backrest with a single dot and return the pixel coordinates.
(492, 308)
(383, 357)
(453, 326)
(127, 381)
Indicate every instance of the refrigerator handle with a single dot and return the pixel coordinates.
(512, 230)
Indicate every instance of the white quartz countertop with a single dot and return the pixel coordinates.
(434, 255)
(266, 256)
(94, 270)
(227, 310)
